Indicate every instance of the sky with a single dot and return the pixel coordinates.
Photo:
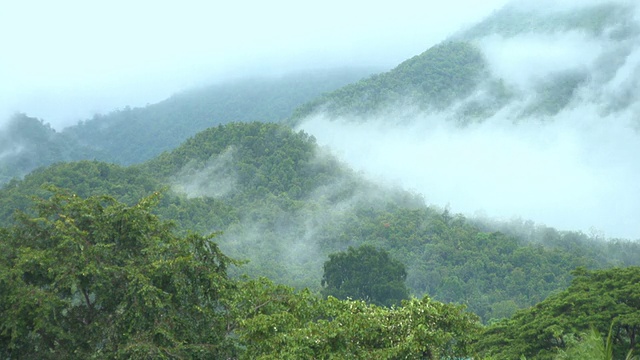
(64, 61)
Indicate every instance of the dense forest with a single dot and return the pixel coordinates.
(227, 231)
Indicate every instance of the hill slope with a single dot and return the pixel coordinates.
(284, 204)
(131, 136)
(27, 143)
(532, 61)
(532, 113)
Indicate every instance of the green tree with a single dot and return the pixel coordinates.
(591, 346)
(283, 324)
(94, 278)
(598, 299)
(365, 273)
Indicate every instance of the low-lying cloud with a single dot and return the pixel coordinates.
(561, 150)
(573, 175)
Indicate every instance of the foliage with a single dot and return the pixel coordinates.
(27, 143)
(453, 259)
(595, 299)
(287, 206)
(266, 158)
(434, 79)
(299, 326)
(591, 346)
(133, 135)
(365, 273)
(96, 278)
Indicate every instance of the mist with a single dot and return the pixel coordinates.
(574, 169)
(66, 61)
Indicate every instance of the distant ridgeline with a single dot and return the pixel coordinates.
(27, 143)
(432, 80)
(133, 135)
(284, 205)
(457, 80)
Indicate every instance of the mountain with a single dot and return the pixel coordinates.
(532, 113)
(530, 61)
(432, 80)
(27, 143)
(131, 136)
(284, 204)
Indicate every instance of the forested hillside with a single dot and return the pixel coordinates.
(285, 205)
(432, 80)
(237, 221)
(475, 76)
(133, 135)
(27, 143)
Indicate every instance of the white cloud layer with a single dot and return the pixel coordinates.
(575, 173)
(574, 170)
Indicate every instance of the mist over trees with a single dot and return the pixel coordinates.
(133, 135)
(221, 222)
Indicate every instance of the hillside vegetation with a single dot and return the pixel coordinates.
(211, 225)
(432, 80)
(285, 206)
(133, 135)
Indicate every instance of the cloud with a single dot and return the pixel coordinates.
(524, 59)
(67, 60)
(570, 163)
(577, 171)
(215, 178)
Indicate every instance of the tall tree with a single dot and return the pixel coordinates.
(365, 273)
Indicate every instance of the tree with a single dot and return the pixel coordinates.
(96, 278)
(597, 299)
(283, 324)
(365, 273)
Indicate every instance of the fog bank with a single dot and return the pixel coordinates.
(572, 175)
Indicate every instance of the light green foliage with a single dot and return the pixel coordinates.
(596, 299)
(592, 346)
(96, 278)
(365, 273)
(297, 326)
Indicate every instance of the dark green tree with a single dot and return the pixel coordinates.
(365, 273)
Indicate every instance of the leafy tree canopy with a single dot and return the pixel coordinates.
(365, 273)
(595, 299)
(288, 325)
(96, 278)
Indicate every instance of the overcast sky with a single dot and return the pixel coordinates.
(65, 60)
